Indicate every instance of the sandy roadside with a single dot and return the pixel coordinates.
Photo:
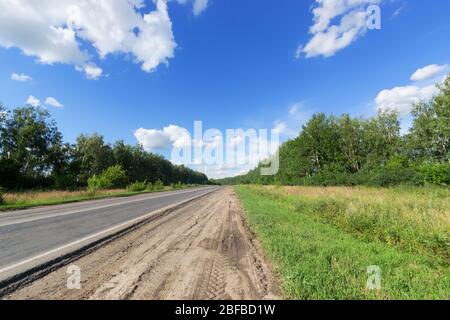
(202, 250)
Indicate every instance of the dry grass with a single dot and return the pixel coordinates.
(413, 219)
(38, 196)
(27, 199)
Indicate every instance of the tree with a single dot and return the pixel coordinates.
(3, 117)
(292, 164)
(351, 143)
(429, 137)
(31, 148)
(124, 155)
(318, 140)
(381, 139)
(92, 155)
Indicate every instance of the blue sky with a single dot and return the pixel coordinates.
(234, 66)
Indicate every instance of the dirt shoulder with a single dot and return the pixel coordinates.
(203, 250)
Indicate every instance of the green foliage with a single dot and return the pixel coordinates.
(99, 183)
(113, 177)
(116, 175)
(389, 177)
(64, 181)
(137, 187)
(31, 146)
(429, 138)
(436, 173)
(92, 156)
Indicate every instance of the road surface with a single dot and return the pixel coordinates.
(31, 237)
(200, 250)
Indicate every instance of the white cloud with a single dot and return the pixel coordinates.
(402, 99)
(200, 6)
(224, 171)
(178, 136)
(92, 71)
(33, 101)
(328, 38)
(53, 102)
(151, 139)
(171, 136)
(428, 72)
(57, 31)
(20, 77)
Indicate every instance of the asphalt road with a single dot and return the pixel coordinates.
(34, 236)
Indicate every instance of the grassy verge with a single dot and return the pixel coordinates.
(29, 199)
(322, 240)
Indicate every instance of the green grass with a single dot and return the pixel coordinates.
(30, 199)
(322, 240)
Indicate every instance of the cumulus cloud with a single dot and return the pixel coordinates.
(57, 31)
(328, 38)
(20, 77)
(33, 101)
(429, 72)
(402, 99)
(50, 101)
(171, 136)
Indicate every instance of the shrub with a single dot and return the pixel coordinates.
(158, 185)
(137, 186)
(398, 162)
(113, 177)
(116, 175)
(437, 173)
(64, 182)
(99, 182)
(386, 177)
(177, 185)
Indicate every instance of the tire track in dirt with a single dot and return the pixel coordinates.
(203, 250)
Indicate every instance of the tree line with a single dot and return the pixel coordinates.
(342, 150)
(33, 155)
